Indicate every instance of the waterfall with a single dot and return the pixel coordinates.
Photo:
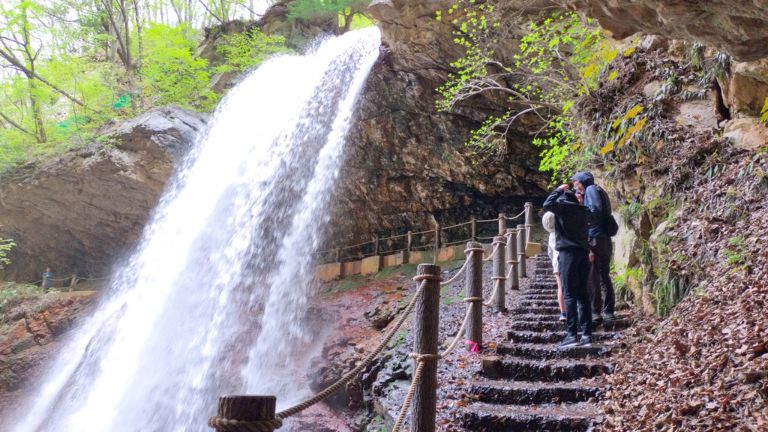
(213, 299)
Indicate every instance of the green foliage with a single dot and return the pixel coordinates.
(560, 58)
(764, 111)
(6, 245)
(631, 212)
(12, 292)
(737, 254)
(622, 281)
(171, 73)
(247, 50)
(668, 290)
(345, 10)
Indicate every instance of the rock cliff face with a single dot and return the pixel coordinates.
(407, 165)
(79, 213)
(739, 27)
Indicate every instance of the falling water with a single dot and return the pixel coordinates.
(221, 279)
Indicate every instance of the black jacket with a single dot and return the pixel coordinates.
(570, 220)
(598, 204)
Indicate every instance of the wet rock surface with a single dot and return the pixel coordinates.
(31, 332)
(81, 212)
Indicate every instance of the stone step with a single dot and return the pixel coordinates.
(552, 337)
(538, 303)
(531, 393)
(531, 296)
(538, 326)
(523, 369)
(615, 325)
(540, 292)
(543, 310)
(543, 285)
(481, 416)
(551, 351)
(535, 317)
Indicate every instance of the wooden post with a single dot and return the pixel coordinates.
(502, 224)
(438, 230)
(528, 221)
(513, 281)
(427, 325)
(474, 284)
(499, 275)
(246, 408)
(473, 226)
(338, 255)
(375, 245)
(521, 233)
(408, 245)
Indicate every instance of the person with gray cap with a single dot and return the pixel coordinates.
(599, 210)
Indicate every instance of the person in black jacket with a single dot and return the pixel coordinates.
(599, 207)
(572, 245)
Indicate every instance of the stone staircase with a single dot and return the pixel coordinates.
(531, 384)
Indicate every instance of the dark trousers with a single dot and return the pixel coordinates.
(600, 286)
(574, 272)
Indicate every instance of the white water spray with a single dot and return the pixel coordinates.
(221, 279)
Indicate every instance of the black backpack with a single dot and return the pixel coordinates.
(609, 222)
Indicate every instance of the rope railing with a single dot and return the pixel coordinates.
(421, 394)
(438, 232)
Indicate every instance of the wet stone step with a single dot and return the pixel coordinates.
(538, 303)
(615, 325)
(543, 285)
(535, 317)
(522, 369)
(551, 351)
(480, 416)
(539, 326)
(537, 310)
(550, 295)
(525, 393)
(552, 337)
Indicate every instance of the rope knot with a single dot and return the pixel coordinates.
(424, 357)
(228, 425)
(419, 278)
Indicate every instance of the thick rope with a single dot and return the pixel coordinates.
(409, 396)
(366, 361)
(459, 334)
(460, 272)
(517, 216)
(222, 424)
(495, 250)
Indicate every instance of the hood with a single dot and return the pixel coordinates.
(586, 178)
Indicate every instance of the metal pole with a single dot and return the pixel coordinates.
(502, 224)
(427, 326)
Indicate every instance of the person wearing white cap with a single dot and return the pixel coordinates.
(549, 224)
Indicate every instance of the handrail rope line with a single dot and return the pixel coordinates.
(487, 220)
(456, 225)
(409, 396)
(459, 333)
(516, 216)
(366, 361)
(493, 253)
(460, 272)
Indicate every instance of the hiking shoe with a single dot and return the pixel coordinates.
(609, 317)
(586, 340)
(562, 317)
(569, 341)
